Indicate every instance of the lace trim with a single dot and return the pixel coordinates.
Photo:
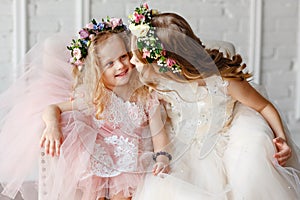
(125, 115)
(127, 119)
(124, 158)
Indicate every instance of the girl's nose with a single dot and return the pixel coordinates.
(119, 65)
(132, 60)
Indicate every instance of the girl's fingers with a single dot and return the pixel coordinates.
(166, 169)
(282, 162)
(42, 141)
(276, 140)
(57, 147)
(160, 168)
(280, 154)
(154, 169)
(61, 139)
(52, 146)
(279, 142)
(283, 153)
(282, 157)
(46, 146)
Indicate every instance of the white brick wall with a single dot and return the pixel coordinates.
(6, 28)
(281, 19)
(211, 19)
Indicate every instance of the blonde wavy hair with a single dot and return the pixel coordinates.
(91, 75)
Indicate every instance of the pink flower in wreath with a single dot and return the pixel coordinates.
(146, 5)
(170, 62)
(78, 63)
(116, 22)
(72, 61)
(83, 34)
(77, 53)
(146, 53)
(90, 25)
(138, 17)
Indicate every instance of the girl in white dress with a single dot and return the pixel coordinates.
(228, 140)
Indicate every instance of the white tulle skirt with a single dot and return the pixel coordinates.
(241, 166)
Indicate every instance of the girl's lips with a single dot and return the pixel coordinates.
(122, 73)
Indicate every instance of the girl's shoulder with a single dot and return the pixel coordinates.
(215, 85)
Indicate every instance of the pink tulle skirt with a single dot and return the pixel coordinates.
(70, 176)
(47, 80)
(25, 170)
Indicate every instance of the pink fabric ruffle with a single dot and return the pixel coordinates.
(47, 80)
(24, 168)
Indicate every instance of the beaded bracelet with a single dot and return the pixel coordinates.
(162, 153)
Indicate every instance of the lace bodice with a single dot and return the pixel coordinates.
(123, 114)
(196, 111)
(122, 130)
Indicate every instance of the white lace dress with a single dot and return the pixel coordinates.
(222, 150)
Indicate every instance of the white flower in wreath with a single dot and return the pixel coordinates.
(139, 30)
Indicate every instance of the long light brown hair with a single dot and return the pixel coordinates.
(188, 51)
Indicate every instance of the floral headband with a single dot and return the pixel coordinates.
(79, 47)
(148, 42)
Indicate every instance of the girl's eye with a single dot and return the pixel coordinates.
(123, 57)
(109, 64)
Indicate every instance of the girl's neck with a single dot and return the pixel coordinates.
(124, 92)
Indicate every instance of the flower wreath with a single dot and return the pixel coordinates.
(148, 42)
(79, 47)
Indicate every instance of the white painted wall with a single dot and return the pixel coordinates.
(265, 32)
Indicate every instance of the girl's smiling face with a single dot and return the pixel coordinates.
(115, 62)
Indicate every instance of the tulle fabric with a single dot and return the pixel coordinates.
(25, 169)
(47, 80)
(69, 176)
(238, 162)
(252, 171)
(219, 169)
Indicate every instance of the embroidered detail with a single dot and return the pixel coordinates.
(124, 158)
(116, 151)
(123, 114)
(125, 150)
(102, 164)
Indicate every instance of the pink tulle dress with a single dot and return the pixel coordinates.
(99, 158)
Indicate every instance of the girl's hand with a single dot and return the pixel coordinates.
(52, 139)
(284, 151)
(160, 167)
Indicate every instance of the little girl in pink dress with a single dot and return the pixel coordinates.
(102, 139)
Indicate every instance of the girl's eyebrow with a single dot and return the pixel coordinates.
(114, 58)
(107, 60)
